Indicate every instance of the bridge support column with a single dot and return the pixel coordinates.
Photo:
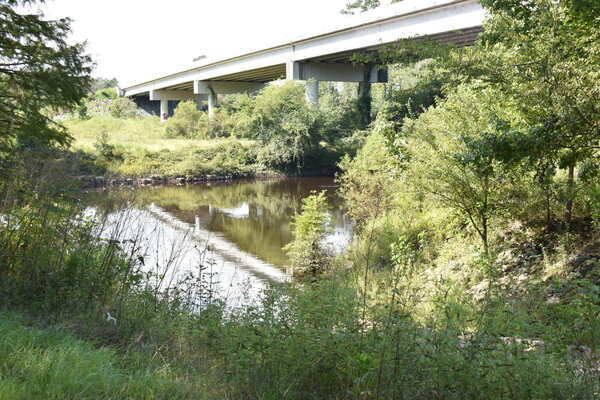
(212, 104)
(312, 92)
(164, 110)
(364, 102)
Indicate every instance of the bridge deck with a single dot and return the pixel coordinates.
(449, 21)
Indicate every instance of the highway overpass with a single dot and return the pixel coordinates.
(325, 57)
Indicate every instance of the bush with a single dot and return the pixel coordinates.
(311, 342)
(367, 181)
(107, 151)
(51, 257)
(238, 113)
(123, 107)
(187, 121)
(307, 252)
(285, 125)
(108, 93)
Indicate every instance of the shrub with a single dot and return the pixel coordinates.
(51, 258)
(307, 252)
(367, 181)
(107, 151)
(107, 93)
(238, 110)
(186, 121)
(123, 107)
(285, 125)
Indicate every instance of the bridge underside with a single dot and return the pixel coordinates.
(460, 38)
(332, 67)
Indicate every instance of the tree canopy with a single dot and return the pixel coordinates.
(39, 70)
(364, 5)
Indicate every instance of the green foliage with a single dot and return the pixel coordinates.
(51, 364)
(540, 55)
(363, 5)
(137, 147)
(238, 113)
(492, 159)
(285, 125)
(307, 251)
(488, 140)
(106, 150)
(448, 160)
(411, 90)
(367, 183)
(317, 339)
(77, 272)
(293, 136)
(309, 342)
(123, 107)
(102, 84)
(82, 112)
(293, 133)
(107, 93)
(187, 120)
(39, 70)
(227, 157)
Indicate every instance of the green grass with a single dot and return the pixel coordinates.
(139, 148)
(146, 133)
(51, 364)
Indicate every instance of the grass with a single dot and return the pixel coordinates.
(138, 148)
(134, 134)
(51, 364)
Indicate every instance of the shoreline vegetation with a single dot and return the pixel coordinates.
(473, 184)
(275, 133)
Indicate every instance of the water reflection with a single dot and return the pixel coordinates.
(254, 215)
(236, 228)
(172, 252)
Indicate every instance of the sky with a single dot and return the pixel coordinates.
(138, 40)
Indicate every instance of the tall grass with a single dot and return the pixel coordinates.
(52, 364)
(135, 134)
(138, 147)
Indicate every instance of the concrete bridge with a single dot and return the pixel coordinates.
(325, 57)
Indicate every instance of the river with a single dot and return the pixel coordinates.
(234, 231)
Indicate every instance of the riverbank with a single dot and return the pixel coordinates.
(121, 151)
(156, 180)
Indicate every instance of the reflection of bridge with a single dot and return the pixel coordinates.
(326, 57)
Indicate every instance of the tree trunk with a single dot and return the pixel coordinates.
(570, 194)
(364, 97)
(484, 235)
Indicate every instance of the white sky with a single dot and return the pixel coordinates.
(137, 40)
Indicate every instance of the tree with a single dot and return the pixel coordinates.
(545, 56)
(104, 83)
(38, 70)
(364, 5)
(286, 126)
(450, 157)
